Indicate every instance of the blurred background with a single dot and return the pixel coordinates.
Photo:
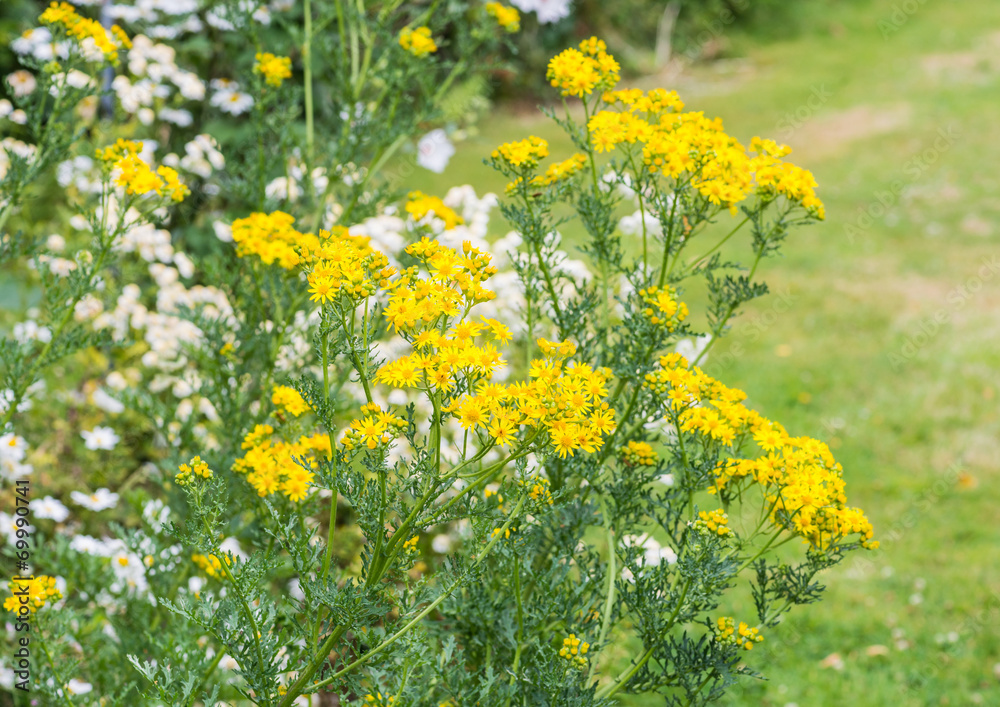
(881, 334)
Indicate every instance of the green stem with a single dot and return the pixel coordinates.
(497, 536)
(307, 80)
(609, 602)
(717, 329)
(55, 673)
(619, 682)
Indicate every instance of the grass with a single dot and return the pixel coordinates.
(883, 339)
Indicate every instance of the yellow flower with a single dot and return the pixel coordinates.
(62, 14)
(419, 205)
(574, 649)
(417, 42)
(172, 184)
(726, 632)
(507, 17)
(523, 153)
(274, 69)
(187, 472)
(30, 595)
(289, 400)
(581, 72)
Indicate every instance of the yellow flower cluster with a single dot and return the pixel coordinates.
(637, 454)
(377, 427)
(574, 650)
(455, 285)
(417, 42)
(273, 465)
(209, 564)
(801, 482)
(716, 522)
(410, 546)
(120, 149)
(745, 637)
(507, 17)
(343, 264)
(539, 490)
(196, 467)
(555, 173)
(378, 699)
(680, 146)
(418, 205)
(289, 400)
(564, 400)
(136, 176)
(274, 69)
(31, 594)
(579, 72)
(271, 238)
(82, 29)
(662, 308)
(523, 153)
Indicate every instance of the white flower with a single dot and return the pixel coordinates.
(105, 402)
(691, 349)
(87, 308)
(9, 528)
(295, 589)
(223, 231)
(100, 500)
(441, 544)
(6, 107)
(653, 554)
(156, 514)
(78, 687)
(231, 546)
(22, 83)
(30, 331)
(100, 438)
(61, 267)
(177, 116)
(548, 10)
(12, 447)
(434, 150)
(666, 479)
(49, 508)
(130, 572)
(232, 101)
(87, 545)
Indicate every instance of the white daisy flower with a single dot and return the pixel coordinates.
(87, 545)
(49, 508)
(232, 102)
(100, 500)
(100, 438)
(78, 687)
(9, 528)
(22, 83)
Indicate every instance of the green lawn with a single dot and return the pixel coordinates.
(884, 339)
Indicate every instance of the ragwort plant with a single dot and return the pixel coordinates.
(369, 475)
